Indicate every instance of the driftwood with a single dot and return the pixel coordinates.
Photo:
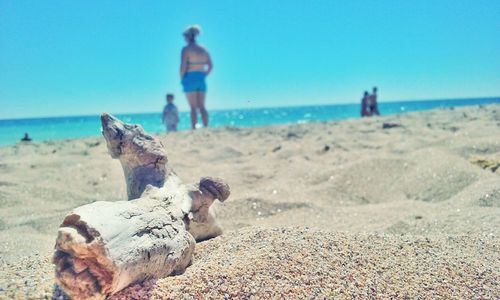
(103, 247)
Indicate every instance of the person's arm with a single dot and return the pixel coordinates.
(165, 115)
(375, 104)
(210, 66)
(184, 64)
(176, 114)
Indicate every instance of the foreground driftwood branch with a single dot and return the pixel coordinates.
(103, 247)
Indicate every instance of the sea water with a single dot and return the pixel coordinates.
(58, 128)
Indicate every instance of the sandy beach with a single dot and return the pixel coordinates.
(350, 209)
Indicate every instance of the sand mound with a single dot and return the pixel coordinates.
(428, 175)
(306, 263)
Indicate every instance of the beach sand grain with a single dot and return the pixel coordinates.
(320, 210)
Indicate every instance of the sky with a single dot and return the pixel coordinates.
(80, 57)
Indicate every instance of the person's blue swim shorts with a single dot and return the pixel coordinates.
(194, 82)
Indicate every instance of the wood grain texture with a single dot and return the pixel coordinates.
(103, 247)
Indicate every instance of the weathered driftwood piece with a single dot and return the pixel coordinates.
(103, 247)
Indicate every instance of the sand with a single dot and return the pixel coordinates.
(321, 210)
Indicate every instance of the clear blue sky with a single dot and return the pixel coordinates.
(85, 57)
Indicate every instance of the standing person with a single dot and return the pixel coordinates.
(372, 104)
(170, 114)
(364, 103)
(195, 66)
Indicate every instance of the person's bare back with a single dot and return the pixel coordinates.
(196, 58)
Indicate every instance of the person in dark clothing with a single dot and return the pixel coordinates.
(364, 100)
(26, 138)
(372, 104)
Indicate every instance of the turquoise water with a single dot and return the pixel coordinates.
(45, 129)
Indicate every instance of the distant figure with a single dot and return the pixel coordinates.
(170, 114)
(372, 105)
(195, 66)
(364, 102)
(26, 138)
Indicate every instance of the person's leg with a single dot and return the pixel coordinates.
(201, 105)
(369, 113)
(171, 127)
(193, 103)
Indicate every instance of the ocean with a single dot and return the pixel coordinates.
(59, 128)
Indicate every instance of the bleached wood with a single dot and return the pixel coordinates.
(143, 158)
(103, 247)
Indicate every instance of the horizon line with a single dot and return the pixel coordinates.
(249, 108)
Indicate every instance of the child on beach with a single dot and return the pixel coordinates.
(170, 114)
